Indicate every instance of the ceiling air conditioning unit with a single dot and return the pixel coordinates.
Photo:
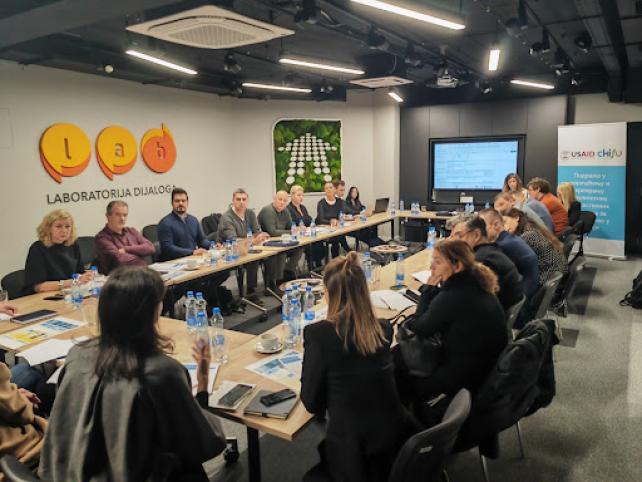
(210, 27)
(379, 82)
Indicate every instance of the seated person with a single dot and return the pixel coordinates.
(298, 212)
(353, 206)
(540, 189)
(21, 431)
(505, 201)
(275, 220)
(566, 194)
(459, 303)
(473, 232)
(515, 248)
(116, 244)
(348, 372)
(328, 209)
(136, 418)
(55, 257)
(236, 223)
(513, 185)
(549, 249)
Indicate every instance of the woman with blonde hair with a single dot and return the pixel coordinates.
(348, 371)
(566, 194)
(55, 257)
(459, 303)
(513, 184)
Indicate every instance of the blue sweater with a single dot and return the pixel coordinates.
(524, 258)
(180, 238)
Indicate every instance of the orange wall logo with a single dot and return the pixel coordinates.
(65, 150)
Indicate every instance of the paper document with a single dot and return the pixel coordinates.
(422, 276)
(390, 300)
(49, 350)
(55, 375)
(38, 332)
(191, 369)
(284, 368)
(4, 317)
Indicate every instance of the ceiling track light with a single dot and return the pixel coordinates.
(326, 88)
(256, 85)
(493, 59)
(576, 79)
(412, 58)
(536, 85)
(584, 42)
(319, 66)
(394, 93)
(377, 40)
(405, 12)
(164, 63)
(484, 86)
(308, 12)
(230, 64)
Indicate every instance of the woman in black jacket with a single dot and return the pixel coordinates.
(348, 371)
(459, 303)
(566, 194)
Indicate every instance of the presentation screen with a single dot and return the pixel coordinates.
(480, 164)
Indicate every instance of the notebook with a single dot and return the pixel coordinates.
(280, 410)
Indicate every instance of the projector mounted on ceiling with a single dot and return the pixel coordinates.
(379, 82)
(210, 27)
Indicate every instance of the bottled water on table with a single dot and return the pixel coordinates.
(201, 331)
(301, 228)
(249, 234)
(366, 264)
(295, 292)
(364, 218)
(431, 238)
(93, 283)
(393, 209)
(294, 325)
(213, 254)
(218, 336)
(401, 205)
(294, 232)
(229, 255)
(236, 254)
(342, 219)
(76, 291)
(487, 205)
(285, 312)
(400, 273)
(190, 313)
(313, 229)
(308, 306)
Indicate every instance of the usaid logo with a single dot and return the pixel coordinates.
(605, 153)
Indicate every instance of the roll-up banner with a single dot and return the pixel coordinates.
(593, 158)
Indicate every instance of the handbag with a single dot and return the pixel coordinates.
(420, 355)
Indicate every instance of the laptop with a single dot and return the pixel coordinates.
(381, 205)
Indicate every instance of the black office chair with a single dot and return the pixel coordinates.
(424, 455)
(151, 232)
(87, 245)
(566, 286)
(569, 242)
(545, 294)
(565, 232)
(14, 283)
(210, 226)
(511, 315)
(14, 471)
(584, 227)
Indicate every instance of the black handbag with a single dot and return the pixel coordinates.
(420, 355)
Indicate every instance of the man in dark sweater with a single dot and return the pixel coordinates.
(473, 232)
(328, 208)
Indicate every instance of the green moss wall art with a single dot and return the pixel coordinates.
(307, 152)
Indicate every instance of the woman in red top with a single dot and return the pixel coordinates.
(540, 189)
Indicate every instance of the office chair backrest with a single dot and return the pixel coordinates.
(569, 242)
(588, 219)
(511, 315)
(423, 455)
(151, 232)
(14, 471)
(87, 245)
(210, 224)
(14, 283)
(547, 293)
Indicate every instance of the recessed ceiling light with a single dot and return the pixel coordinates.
(493, 59)
(394, 93)
(405, 12)
(164, 63)
(254, 85)
(320, 66)
(537, 85)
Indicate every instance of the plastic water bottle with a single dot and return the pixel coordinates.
(294, 325)
(400, 273)
(249, 234)
(92, 285)
(236, 254)
(487, 205)
(201, 331)
(393, 209)
(296, 293)
(190, 313)
(294, 232)
(301, 228)
(308, 305)
(401, 205)
(364, 218)
(213, 254)
(218, 336)
(76, 291)
(229, 255)
(431, 237)
(366, 265)
(313, 230)
(342, 219)
(285, 311)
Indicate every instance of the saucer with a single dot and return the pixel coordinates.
(188, 268)
(276, 349)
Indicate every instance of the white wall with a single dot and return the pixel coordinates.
(594, 108)
(221, 144)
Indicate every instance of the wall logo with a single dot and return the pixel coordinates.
(65, 150)
(606, 153)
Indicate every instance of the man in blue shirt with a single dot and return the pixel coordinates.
(180, 234)
(515, 248)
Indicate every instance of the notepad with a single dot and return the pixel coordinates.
(280, 410)
(422, 276)
(390, 300)
(49, 350)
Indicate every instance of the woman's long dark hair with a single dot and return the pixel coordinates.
(353, 202)
(524, 223)
(127, 314)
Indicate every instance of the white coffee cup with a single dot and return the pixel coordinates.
(286, 238)
(192, 263)
(269, 341)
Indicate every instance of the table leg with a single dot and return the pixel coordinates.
(392, 229)
(253, 455)
(171, 296)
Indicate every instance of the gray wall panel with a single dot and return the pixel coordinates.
(474, 119)
(509, 117)
(413, 168)
(444, 120)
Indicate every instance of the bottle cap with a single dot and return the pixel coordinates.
(75, 276)
(216, 310)
(308, 289)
